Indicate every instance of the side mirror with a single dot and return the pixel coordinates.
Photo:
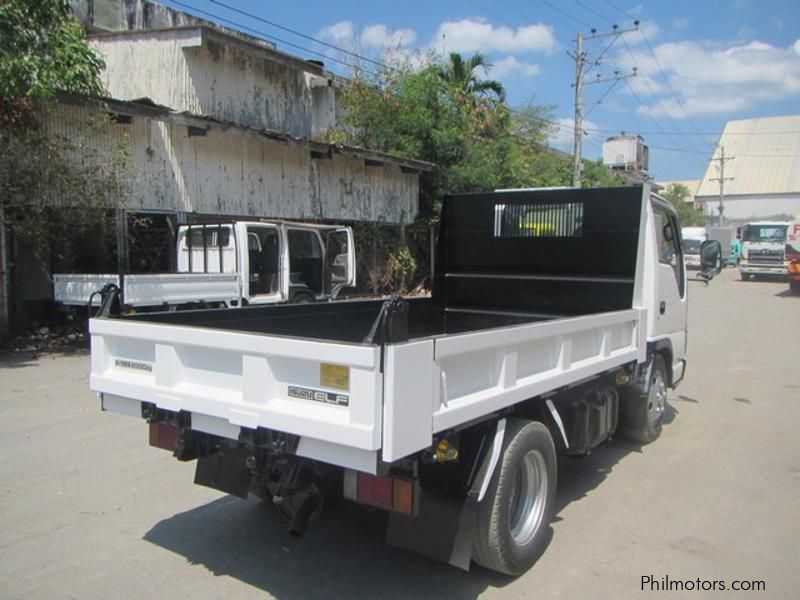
(710, 260)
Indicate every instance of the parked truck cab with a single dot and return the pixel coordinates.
(763, 250)
(280, 261)
(235, 263)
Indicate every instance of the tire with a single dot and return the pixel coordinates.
(642, 414)
(794, 287)
(745, 276)
(512, 529)
(302, 299)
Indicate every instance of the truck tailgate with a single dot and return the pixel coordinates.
(328, 392)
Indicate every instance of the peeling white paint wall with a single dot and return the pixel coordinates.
(229, 173)
(188, 71)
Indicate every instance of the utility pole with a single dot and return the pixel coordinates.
(722, 179)
(580, 58)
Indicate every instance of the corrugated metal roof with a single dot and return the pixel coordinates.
(767, 158)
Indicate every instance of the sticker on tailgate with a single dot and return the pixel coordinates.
(334, 376)
(318, 396)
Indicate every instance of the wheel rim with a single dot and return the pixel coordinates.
(657, 398)
(528, 497)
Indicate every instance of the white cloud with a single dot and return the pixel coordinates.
(342, 32)
(371, 37)
(470, 35)
(647, 29)
(718, 81)
(380, 36)
(511, 68)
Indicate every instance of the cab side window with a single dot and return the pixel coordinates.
(669, 244)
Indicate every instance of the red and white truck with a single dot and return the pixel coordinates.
(793, 255)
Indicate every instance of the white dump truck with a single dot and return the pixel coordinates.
(234, 263)
(557, 319)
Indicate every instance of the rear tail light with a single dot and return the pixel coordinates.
(389, 493)
(164, 436)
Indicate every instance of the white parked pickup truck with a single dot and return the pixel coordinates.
(235, 263)
(557, 318)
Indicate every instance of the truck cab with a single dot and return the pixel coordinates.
(232, 264)
(763, 249)
(278, 261)
(693, 238)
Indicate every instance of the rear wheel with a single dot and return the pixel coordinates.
(514, 516)
(794, 286)
(745, 276)
(642, 414)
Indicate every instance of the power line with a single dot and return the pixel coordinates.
(556, 9)
(614, 6)
(653, 92)
(299, 34)
(258, 32)
(593, 11)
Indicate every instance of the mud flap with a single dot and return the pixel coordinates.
(443, 529)
(225, 471)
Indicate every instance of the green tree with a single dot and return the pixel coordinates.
(678, 195)
(43, 50)
(54, 191)
(443, 114)
(462, 76)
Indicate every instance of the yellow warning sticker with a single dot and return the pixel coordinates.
(334, 376)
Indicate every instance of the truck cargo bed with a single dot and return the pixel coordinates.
(347, 322)
(533, 293)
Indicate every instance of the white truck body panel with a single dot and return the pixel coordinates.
(242, 379)
(75, 290)
(180, 288)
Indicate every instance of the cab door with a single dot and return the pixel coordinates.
(671, 285)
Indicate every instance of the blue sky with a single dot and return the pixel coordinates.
(700, 63)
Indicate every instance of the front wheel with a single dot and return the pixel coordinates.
(514, 516)
(641, 414)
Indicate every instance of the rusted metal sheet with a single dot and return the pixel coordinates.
(226, 173)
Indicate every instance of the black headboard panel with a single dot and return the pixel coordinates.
(564, 251)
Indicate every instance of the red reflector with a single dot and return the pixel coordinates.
(164, 436)
(375, 491)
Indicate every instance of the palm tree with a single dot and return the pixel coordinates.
(460, 73)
